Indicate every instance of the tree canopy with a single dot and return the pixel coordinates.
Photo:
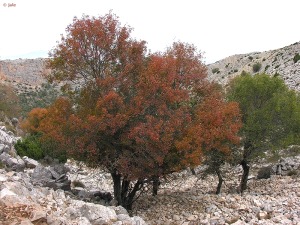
(138, 115)
(270, 113)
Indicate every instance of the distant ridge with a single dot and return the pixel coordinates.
(280, 61)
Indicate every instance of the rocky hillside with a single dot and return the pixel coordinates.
(27, 73)
(284, 61)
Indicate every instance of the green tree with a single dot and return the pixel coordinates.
(270, 116)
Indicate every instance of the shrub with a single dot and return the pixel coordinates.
(296, 58)
(276, 74)
(292, 173)
(31, 147)
(78, 183)
(250, 57)
(235, 70)
(267, 67)
(34, 148)
(256, 67)
(215, 70)
(264, 172)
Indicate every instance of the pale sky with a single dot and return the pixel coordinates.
(219, 28)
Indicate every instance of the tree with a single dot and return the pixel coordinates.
(212, 134)
(270, 115)
(132, 110)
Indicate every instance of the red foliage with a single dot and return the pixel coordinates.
(141, 115)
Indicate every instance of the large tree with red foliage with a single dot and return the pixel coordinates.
(136, 114)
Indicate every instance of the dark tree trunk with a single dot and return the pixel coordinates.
(117, 186)
(246, 169)
(193, 171)
(155, 185)
(124, 194)
(218, 172)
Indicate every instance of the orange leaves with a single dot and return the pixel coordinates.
(141, 114)
(95, 47)
(34, 118)
(215, 126)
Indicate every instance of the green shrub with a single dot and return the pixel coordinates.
(250, 57)
(296, 58)
(292, 173)
(78, 183)
(267, 67)
(264, 172)
(276, 74)
(256, 67)
(30, 146)
(215, 70)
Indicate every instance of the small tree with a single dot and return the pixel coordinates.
(270, 116)
(132, 109)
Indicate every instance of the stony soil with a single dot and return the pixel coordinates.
(189, 200)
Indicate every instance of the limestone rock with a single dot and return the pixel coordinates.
(30, 163)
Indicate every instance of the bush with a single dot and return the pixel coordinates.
(264, 172)
(296, 58)
(292, 173)
(215, 70)
(78, 183)
(250, 57)
(267, 67)
(31, 147)
(256, 67)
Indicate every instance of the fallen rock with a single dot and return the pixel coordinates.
(30, 163)
(15, 164)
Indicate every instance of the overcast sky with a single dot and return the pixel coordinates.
(219, 28)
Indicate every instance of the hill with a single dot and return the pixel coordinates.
(284, 62)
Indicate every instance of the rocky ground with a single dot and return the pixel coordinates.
(189, 200)
(30, 193)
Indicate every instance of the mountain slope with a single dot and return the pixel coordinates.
(280, 61)
(28, 73)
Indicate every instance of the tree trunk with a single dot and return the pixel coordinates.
(220, 181)
(246, 169)
(155, 185)
(193, 171)
(123, 193)
(117, 186)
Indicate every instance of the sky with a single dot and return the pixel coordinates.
(218, 28)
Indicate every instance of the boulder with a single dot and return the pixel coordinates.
(15, 164)
(30, 163)
(49, 177)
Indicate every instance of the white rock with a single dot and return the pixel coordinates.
(262, 215)
(3, 178)
(6, 192)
